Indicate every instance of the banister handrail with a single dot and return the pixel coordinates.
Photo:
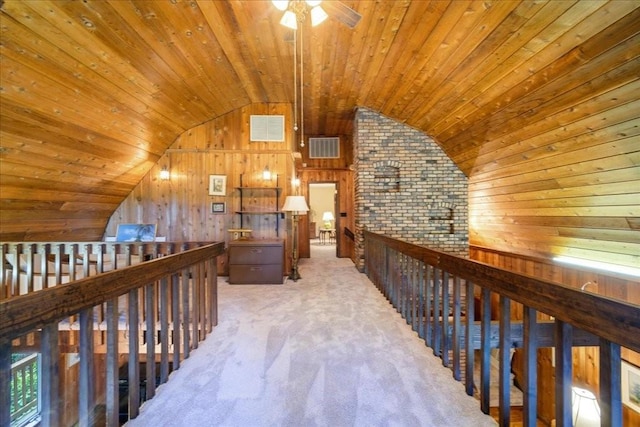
(169, 304)
(615, 320)
(437, 294)
(32, 311)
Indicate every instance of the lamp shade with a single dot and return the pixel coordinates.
(328, 216)
(295, 204)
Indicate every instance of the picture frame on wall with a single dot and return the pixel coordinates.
(136, 233)
(631, 386)
(218, 207)
(217, 185)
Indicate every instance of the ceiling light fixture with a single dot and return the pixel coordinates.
(295, 11)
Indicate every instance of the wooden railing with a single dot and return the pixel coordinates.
(160, 307)
(437, 294)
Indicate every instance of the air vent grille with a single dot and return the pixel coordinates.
(267, 128)
(324, 148)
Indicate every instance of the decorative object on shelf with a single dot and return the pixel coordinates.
(297, 205)
(136, 233)
(217, 185)
(218, 207)
(165, 175)
(266, 173)
(631, 386)
(327, 217)
(240, 233)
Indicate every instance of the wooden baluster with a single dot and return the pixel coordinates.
(212, 277)
(175, 318)
(437, 337)
(164, 330)
(530, 392)
(150, 338)
(112, 397)
(468, 345)
(186, 323)
(50, 402)
(505, 361)
(134, 356)
(85, 388)
(455, 341)
(5, 382)
(485, 352)
(564, 373)
(428, 307)
(444, 354)
(610, 384)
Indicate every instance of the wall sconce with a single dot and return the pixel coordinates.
(327, 217)
(297, 205)
(165, 175)
(266, 173)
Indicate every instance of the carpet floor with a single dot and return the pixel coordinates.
(327, 350)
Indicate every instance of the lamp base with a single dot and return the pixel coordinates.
(294, 274)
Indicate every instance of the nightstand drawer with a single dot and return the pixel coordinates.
(241, 273)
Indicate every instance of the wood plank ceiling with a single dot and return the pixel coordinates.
(93, 92)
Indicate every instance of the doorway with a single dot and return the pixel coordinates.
(323, 219)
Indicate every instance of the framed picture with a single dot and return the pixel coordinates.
(631, 386)
(218, 208)
(136, 233)
(217, 185)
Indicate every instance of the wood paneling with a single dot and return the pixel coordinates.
(181, 206)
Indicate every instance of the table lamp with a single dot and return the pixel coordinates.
(327, 217)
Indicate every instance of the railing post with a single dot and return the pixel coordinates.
(444, 325)
(468, 345)
(505, 359)
(112, 397)
(150, 338)
(530, 392)
(610, 380)
(85, 389)
(49, 375)
(5, 383)
(564, 373)
(485, 352)
(134, 358)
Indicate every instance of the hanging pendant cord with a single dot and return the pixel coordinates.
(301, 85)
(295, 81)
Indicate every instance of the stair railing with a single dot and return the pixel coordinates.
(153, 313)
(436, 293)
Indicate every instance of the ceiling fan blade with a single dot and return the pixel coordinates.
(342, 13)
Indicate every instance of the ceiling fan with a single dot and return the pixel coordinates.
(296, 10)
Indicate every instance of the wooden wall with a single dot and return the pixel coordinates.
(585, 359)
(181, 206)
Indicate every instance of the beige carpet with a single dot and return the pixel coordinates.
(327, 350)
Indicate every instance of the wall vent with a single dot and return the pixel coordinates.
(267, 128)
(324, 148)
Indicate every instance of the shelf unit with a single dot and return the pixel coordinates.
(275, 211)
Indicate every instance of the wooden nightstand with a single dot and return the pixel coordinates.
(256, 262)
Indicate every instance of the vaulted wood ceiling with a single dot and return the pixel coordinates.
(93, 92)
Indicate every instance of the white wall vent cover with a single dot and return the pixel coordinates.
(267, 128)
(324, 148)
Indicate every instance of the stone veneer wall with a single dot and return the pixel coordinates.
(406, 187)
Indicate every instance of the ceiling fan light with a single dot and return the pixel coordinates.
(313, 3)
(289, 20)
(318, 15)
(281, 4)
